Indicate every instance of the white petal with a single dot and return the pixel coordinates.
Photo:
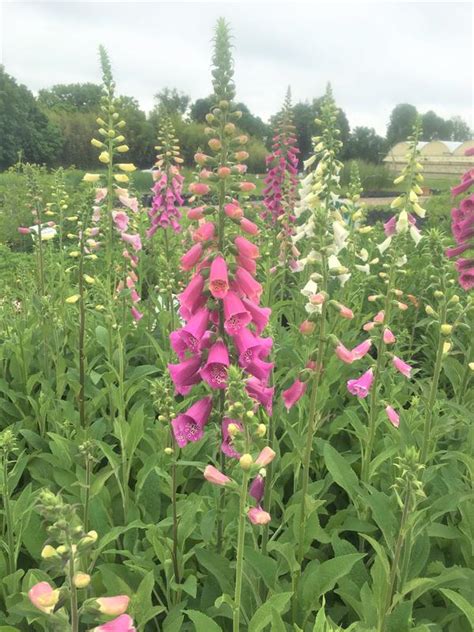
(384, 245)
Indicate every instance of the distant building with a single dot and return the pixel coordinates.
(439, 157)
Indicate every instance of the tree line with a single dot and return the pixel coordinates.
(55, 127)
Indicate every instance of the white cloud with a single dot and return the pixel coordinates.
(375, 54)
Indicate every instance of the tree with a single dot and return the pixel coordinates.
(200, 108)
(401, 123)
(23, 126)
(77, 129)
(434, 127)
(172, 101)
(459, 129)
(72, 97)
(365, 144)
(303, 117)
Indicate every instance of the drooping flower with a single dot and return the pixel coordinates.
(44, 597)
(134, 240)
(236, 316)
(294, 393)
(257, 488)
(192, 298)
(246, 285)
(362, 349)
(261, 392)
(186, 374)
(194, 330)
(259, 315)
(191, 257)
(214, 476)
(393, 416)
(361, 386)
(113, 606)
(124, 623)
(258, 516)
(344, 354)
(401, 366)
(388, 337)
(214, 372)
(265, 457)
(251, 347)
(218, 278)
(189, 426)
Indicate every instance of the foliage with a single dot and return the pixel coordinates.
(24, 129)
(364, 144)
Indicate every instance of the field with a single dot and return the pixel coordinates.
(233, 402)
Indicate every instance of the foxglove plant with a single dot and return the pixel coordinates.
(281, 181)
(115, 195)
(320, 191)
(167, 190)
(64, 554)
(220, 343)
(392, 249)
(165, 213)
(462, 226)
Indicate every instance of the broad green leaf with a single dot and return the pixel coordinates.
(341, 472)
(320, 578)
(218, 566)
(461, 602)
(202, 622)
(263, 616)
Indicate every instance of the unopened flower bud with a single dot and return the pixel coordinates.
(48, 552)
(168, 451)
(446, 329)
(261, 430)
(246, 461)
(438, 294)
(446, 347)
(429, 310)
(81, 580)
(233, 429)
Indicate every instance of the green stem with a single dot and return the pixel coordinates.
(72, 588)
(433, 391)
(82, 328)
(87, 494)
(312, 420)
(175, 520)
(11, 559)
(396, 559)
(240, 553)
(379, 366)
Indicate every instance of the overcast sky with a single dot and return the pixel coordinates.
(375, 54)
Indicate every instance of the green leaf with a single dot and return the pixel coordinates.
(262, 565)
(276, 603)
(461, 602)
(341, 472)
(202, 622)
(218, 566)
(277, 624)
(320, 578)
